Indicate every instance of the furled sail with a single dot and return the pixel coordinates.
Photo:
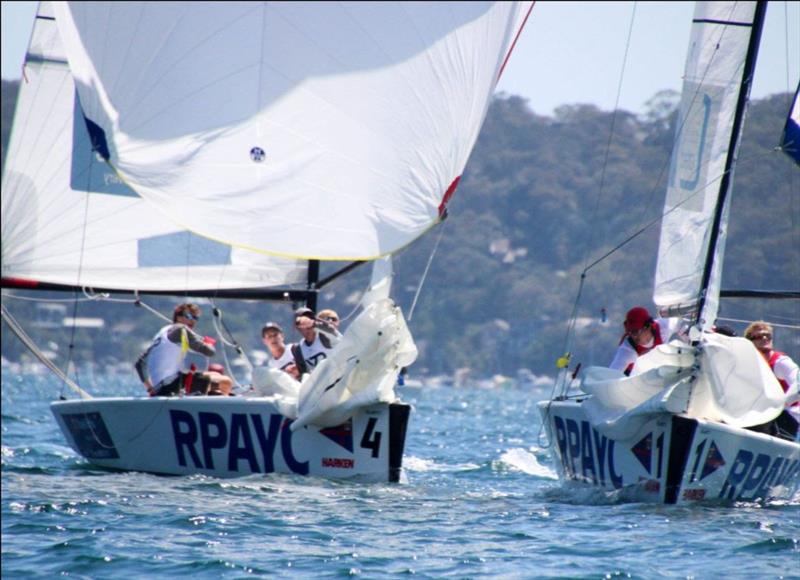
(701, 167)
(68, 219)
(319, 130)
(790, 141)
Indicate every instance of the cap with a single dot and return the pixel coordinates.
(271, 325)
(637, 318)
(726, 330)
(216, 368)
(304, 311)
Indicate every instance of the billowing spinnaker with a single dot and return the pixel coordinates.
(319, 130)
(712, 84)
(68, 219)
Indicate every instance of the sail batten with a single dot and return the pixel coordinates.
(328, 131)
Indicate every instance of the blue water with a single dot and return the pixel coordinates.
(480, 501)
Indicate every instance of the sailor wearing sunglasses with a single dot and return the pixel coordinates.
(160, 367)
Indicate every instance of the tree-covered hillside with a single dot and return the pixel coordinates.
(540, 199)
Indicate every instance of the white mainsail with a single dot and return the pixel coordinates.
(711, 90)
(318, 130)
(67, 219)
(723, 379)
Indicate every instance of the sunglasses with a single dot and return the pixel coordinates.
(330, 319)
(189, 315)
(761, 336)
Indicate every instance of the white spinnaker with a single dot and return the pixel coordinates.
(328, 130)
(66, 218)
(711, 88)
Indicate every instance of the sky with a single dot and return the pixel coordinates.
(573, 52)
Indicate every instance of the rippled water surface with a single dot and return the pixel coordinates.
(480, 500)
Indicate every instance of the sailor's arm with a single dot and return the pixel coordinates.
(624, 356)
(329, 330)
(196, 342)
(141, 369)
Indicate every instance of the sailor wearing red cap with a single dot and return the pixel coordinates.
(642, 334)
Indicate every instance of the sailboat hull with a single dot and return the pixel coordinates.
(672, 458)
(232, 437)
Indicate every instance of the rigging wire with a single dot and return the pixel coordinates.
(18, 330)
(563, 361)
(425, 272)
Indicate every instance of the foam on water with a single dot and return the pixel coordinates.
(526, 462)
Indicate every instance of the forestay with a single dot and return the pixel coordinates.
(67, 219)
(712, 84)
(324, 130)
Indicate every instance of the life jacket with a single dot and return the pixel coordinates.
(299, 361)
(640, 350)
(772, 361)
(165, 358)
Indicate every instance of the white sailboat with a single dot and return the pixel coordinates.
(225, 149)
(676, 430)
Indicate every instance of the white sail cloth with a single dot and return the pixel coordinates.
(733, 385)
(711, 89)
(361, 370)
(325, 130)
(67, 219)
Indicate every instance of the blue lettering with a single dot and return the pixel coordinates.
(769, 477)
(756, 474)
(587, 459)
(790, 472)
(267, 442)
(184, 438)
(573, 444)
(687, 184)
(215, 441)
(239, 430)
(286, 446)
(736, 474)
(561, 441)
(600, 444)
(616, 480)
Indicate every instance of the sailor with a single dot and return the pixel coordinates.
(787, 372)
(329, 316)
(642, 334)
(319, 337)
(280, 355)
(160, 366)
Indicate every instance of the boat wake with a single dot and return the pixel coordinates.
(429, 465)
(526, 462)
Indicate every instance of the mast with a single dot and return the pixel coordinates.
(313, 279)
(727, 177)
